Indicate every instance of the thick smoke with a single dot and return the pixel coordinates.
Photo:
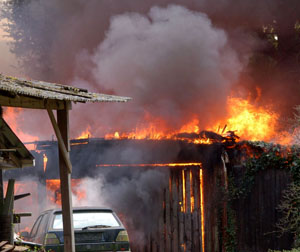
(55, 41)
(176, 62)
(135, 197)
(172, 62)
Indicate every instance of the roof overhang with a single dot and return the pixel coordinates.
(13, 153)
(18, 92)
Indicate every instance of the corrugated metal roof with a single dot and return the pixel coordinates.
(45, 90)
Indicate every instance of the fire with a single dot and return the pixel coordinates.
(45, 160)
(11, 116)
(53, 190)
(183, 208)
(191, 127)
(150, 165)
(250, 122)
(85, 134)
(192, 192)
(116, 135)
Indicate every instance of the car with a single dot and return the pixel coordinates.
(96, 229)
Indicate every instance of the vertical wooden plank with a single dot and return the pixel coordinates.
(168, 219)
(65, 183)
(154, 241)
(1, 187)
(188, 219)
(196, 213)
(202, 213)
(175, 204)
(181, 210)
(161, 224)
(224, 158)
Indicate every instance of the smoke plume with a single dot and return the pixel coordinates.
(134, 197)
(173, 62)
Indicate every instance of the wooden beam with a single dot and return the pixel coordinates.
(6, 213)
(1, 188)
(30, 102)
(65, 181)
(61, 142)
(7, 208)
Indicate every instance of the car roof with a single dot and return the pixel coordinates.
(85, 208)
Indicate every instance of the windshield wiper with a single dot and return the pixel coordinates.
(96, 226)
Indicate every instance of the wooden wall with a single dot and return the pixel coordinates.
(179, 225)
(257, 213)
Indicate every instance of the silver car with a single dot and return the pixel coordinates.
(96, 229)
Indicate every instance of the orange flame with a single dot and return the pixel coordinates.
(11, 116)
(250, 122)
(85, 134)
(149, 165)
(53, 190)
(45, 160)
(183, 208)
(192, 192)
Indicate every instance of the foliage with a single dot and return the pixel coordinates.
(230, 241)
(290, 210)
(265, 156)
(293, 250)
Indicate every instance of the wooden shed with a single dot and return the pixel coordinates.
(13, 154)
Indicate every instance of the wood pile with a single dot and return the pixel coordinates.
(6, 247)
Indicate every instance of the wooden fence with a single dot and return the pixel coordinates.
(179, 226)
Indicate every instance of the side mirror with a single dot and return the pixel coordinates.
(25, 234)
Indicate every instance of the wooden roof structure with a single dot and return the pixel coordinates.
(40, 94)
(13, 153)
(18, 92)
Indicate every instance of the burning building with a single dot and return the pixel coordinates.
(189, 66)
(172, 195)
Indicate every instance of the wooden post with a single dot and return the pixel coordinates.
(6, 214)
(1, 187)
(65, 182)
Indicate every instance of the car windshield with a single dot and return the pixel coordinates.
(86, 219)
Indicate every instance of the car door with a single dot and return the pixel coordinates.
(39, 229)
